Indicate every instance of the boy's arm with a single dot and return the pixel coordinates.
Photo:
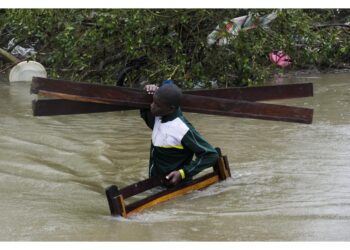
(147, 116)
(146, 113)
(206, 155)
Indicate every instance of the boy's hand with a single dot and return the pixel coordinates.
(151, 88)
(173, 178)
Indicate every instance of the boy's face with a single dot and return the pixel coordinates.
(160, 109)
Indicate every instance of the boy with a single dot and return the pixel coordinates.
(174, 139)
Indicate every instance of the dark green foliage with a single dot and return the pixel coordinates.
(153, 45)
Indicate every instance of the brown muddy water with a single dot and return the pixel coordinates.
(291, 182)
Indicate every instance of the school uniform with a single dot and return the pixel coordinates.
(174, 143)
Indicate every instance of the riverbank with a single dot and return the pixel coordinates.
(152, 45)
(274, 77)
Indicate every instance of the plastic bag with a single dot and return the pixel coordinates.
(19, 51)
(231, 28)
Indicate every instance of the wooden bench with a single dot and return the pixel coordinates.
(117, 197)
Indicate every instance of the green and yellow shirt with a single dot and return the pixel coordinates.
(174, 142)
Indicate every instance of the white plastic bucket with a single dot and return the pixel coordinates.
(24, 71)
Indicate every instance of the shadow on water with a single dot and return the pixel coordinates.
(290, 180)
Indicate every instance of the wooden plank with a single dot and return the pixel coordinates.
(86, 92)
(227, 166)
(140, 187)
(115, 201)
(190, 103)
(261, 93)
(67, 107)
(245, 109)
(223, 174)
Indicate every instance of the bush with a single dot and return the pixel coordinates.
(141, 45)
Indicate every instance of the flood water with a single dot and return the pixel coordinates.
(291, 182)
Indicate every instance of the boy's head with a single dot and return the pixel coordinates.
(166, 100)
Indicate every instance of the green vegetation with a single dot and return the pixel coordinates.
(136, 45)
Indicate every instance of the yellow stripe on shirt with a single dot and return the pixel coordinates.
(174, 146)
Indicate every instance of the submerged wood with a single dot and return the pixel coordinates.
(117, 197)
(191, 103)
(168, 194)
(263, 93)
(8, 56)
